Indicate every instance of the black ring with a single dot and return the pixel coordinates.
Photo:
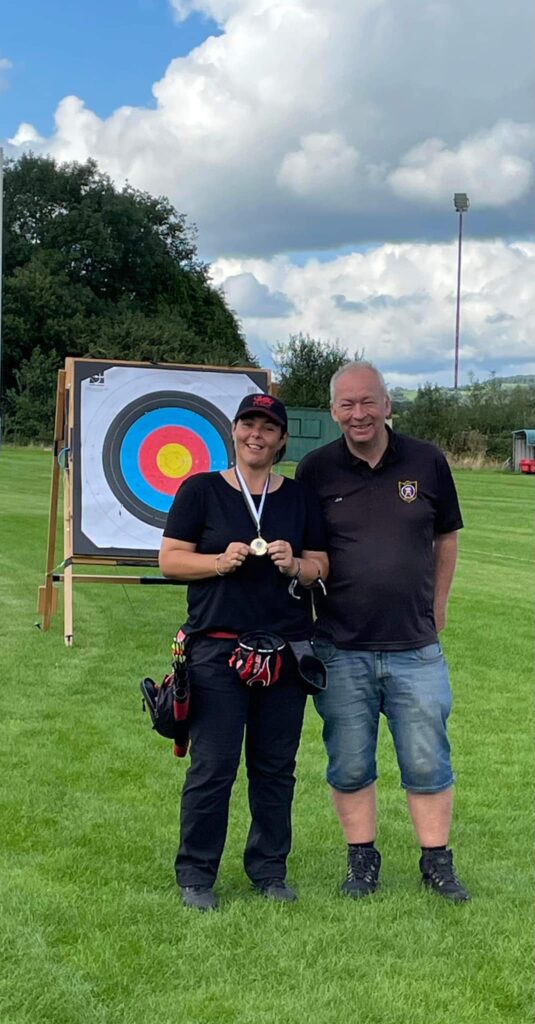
(111, 449)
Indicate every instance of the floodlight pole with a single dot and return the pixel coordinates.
(461, 203)
(458, 314)
(1, 236)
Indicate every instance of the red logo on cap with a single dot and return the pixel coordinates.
(262, 400)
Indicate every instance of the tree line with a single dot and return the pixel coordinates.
(475, 421)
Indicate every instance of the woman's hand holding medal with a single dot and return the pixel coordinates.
(282, 555)
(232, 558)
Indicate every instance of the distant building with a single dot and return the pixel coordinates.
(308, 429)
(523, 450)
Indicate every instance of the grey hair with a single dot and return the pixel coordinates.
(357, 364)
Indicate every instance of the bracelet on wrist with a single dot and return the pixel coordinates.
(219, 572)
(294, 580)
(316, 582)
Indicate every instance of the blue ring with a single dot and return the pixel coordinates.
(143, 427)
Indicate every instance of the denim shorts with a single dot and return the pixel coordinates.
(412, 690)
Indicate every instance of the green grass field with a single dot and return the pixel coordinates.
(91, 925)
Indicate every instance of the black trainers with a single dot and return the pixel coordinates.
(363, 864)
(277, 890)
(202, 897)
(438, 874)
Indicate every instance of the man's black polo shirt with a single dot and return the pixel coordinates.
(381, 524)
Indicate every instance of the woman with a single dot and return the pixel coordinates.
(243, 539)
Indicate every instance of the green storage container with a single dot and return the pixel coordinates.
(309, 429)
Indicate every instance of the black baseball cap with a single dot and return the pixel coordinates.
(266, 405)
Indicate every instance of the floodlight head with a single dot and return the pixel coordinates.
(461, 202)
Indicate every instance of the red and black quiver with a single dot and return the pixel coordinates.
(168, 701)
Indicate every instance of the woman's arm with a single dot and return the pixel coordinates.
(309, 564)
(180, 560)
(314, 564)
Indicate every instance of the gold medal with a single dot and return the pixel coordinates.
(258, 546)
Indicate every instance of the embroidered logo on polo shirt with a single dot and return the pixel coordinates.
(408, 490)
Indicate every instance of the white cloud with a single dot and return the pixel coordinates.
(398, 303)
(308, 124)
(495, 167)
(249, 298)
(219, 10)
(26, 134)
(324, 168)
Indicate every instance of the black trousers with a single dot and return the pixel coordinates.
(222, 709)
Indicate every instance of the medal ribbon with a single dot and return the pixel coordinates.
(254, 512)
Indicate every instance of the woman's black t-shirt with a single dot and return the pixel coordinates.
(210, 513)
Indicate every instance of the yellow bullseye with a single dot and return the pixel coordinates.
(174, 460)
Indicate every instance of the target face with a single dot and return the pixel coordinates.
(139, 431)
(156, 443)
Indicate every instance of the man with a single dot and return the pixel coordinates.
(392, 518)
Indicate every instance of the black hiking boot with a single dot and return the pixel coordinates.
(363, 863)
(201, 897)
(438, 874)
(277, 890)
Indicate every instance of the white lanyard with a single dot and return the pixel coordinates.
(255, 513)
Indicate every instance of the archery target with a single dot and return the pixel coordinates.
(156, 443)
(140, 431)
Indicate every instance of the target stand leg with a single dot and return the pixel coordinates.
(48, 594)
(67, 606)
(47, 602)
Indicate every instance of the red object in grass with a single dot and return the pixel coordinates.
(527, 465)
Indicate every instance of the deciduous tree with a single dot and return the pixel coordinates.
(305, 367)
(92, 270)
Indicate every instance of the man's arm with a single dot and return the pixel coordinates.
(446, 547)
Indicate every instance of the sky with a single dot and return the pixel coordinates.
(317, 146)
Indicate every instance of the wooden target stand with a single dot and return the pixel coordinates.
(47, 605)
(65, 576)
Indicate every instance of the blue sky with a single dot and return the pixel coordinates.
(109, 52)
(317, 146)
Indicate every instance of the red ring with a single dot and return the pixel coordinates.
(148, 453)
